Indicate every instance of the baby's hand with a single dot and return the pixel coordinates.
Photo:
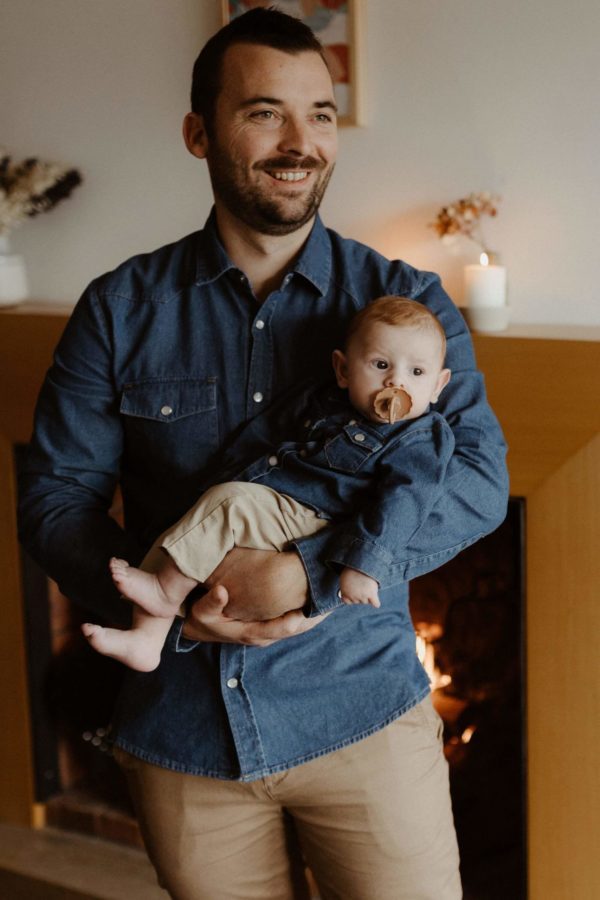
(356, 587)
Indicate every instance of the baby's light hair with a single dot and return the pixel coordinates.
(396, 311)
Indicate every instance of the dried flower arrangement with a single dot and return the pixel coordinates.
(31, 187)
(463, 217)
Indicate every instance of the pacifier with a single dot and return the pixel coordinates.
(393, 404)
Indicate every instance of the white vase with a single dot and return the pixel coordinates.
(13, 276)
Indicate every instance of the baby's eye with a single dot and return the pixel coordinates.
(418, 371)
(380, 364)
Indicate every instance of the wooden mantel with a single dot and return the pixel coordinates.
(544, 384)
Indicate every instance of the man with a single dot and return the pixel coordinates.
(321, 717)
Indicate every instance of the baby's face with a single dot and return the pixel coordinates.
(381, 356)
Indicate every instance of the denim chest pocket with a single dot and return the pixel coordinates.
(350, 450)
(171, 422)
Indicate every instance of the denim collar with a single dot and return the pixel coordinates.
(314, 262)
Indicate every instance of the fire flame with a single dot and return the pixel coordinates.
(468, 734)
(426, 655)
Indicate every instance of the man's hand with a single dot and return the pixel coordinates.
(206, 622)
(261, 584)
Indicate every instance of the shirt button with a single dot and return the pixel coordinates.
(273, 460)
(257, 397)
(166, 410)
(307, 423)
(352, 422)
(303, 453)
(232, 683)
(260, 324)
(359, 437)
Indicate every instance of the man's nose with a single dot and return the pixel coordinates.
(295, 137)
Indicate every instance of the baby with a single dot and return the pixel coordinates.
(361, 442)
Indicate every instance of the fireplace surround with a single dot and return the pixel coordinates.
(544, 386)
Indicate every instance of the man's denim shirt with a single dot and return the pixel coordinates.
(161, 363)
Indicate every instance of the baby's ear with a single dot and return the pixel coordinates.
(340, 368)
(443, 379)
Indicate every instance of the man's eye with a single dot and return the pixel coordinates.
(263, 114)
(417, 371)
(323, 117)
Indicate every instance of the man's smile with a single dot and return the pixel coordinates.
(290, 176)
(291, 171)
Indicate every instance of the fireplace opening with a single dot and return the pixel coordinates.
(469, 624)
(469, 619)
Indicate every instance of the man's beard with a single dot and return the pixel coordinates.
(250, 204)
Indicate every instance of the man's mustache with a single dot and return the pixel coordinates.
(288, 162)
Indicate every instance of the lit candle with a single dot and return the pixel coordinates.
(485, 284)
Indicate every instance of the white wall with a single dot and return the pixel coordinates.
(461, 95)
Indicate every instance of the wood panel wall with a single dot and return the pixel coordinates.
(546, 394)
(563, 637)
(26, 345)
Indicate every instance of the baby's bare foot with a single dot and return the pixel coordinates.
(144, 588)
(129, 647)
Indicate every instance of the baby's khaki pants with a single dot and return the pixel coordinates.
(234, 514)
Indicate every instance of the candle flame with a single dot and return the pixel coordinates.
(484, 259)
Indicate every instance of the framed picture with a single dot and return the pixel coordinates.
(335, 23)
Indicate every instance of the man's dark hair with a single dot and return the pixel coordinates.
(260, 26)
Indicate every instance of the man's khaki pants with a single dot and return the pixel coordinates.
(373, 821)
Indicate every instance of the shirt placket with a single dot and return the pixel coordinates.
(242, 721)
(260, 372)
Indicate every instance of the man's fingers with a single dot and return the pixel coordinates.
(262, 634)
(297, 623)
(215, 601)
(208, 622)
(284, 626)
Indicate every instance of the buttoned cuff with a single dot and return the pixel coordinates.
(365, 556)
(323, 582)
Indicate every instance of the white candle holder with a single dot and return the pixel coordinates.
(485, 295)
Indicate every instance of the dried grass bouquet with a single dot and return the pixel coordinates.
(31, 187)
(463, 217)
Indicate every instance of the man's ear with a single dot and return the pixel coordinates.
(443, 379)
(194, 135)
(340, 368)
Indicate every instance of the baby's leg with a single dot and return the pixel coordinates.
(235, 514)
(139, 647)
(160, 592)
